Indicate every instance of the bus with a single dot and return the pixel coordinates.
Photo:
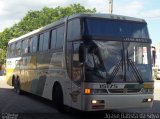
(51, 62)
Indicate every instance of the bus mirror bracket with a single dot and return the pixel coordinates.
(81, 54)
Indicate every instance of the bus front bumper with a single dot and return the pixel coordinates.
(110, 102)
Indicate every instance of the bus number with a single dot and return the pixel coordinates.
(104, 86)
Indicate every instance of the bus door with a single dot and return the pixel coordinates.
(76, 75)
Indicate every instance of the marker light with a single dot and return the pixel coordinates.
(87, 91)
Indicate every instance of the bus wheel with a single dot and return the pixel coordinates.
(58, 98)
(17, 87)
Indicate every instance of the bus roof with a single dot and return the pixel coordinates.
(108, 16)
(38, 30)
(105, 16)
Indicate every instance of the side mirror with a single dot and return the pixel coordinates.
(81, 64)
(81, 53)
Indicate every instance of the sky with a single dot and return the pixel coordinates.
(12, 11)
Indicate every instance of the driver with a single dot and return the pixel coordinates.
(92, 60)
(93, 65)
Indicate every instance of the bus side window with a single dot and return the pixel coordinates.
(41, 42)
(12, 49)
(46, 41)
(71, 32)
(25, 46)
(30, 40)
(77, 68)
(18, 48)
(60, 38)
(9, 51)
(34, 42)
(53, 39)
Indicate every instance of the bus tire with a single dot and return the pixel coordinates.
(58, 98)
(13, 80)
(17, 86)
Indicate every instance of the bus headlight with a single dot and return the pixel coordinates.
(94, 101)
(98, 104)
(148, 100)
(98, 101)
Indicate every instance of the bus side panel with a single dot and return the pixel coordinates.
(11, 69)
(57, 74)
(28, 72)
(39, 72)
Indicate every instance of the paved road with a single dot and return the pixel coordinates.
(29, 106)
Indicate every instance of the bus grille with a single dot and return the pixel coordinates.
(125, 90)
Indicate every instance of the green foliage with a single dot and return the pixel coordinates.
(36, 19)
(2, 56)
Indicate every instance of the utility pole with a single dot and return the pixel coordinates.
(110, 6)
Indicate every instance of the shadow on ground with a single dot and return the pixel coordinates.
(46, 113)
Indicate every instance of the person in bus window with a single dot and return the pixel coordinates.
(93, 65)
(92, 60)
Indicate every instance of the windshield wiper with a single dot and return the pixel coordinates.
(131, 64)
(137, 73)
(116, 69)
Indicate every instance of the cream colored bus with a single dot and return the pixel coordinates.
(51, 62)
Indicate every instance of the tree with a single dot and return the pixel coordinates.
(36, 19)
(2, 56)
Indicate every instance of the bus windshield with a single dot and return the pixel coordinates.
(116, 28)
(123, 61)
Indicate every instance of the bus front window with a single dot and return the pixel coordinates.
(120, 62)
